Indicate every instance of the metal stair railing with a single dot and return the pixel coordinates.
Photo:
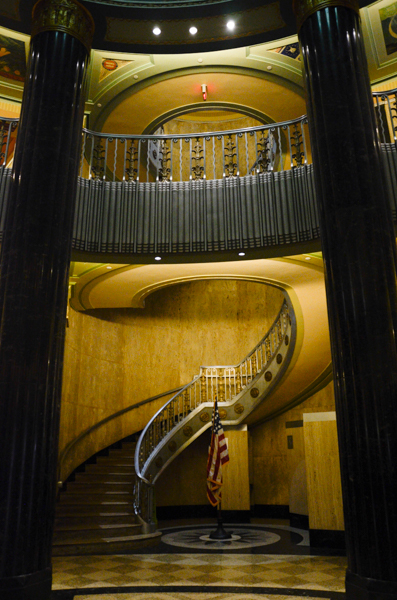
(102, 423)
(183, 418)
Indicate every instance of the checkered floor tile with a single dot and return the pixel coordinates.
(270, 571)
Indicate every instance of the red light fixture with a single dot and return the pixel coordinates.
(204, 91)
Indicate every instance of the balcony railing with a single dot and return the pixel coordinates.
(206, 192)
(212, 155)
(215, 155)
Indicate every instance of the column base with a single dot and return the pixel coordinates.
(34, 586)
(362, 588)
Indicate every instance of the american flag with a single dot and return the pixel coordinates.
(218, 455)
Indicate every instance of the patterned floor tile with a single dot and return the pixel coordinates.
(267, 571)
(184, 596)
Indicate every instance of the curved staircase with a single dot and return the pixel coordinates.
(239, 389)
(102, 511)
(95, 514)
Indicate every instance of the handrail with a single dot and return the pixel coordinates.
(386, 115)
(102, 163)
(384, 93)
(221, 382)
(164, 136)
(102, 422)
(194, 157)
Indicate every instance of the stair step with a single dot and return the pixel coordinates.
(104, 477)
(122, 452)
(94, 499)
(95, 514)
(103, 468)
(127, 447)
(116, 460)
(104, 487)
(71, 510)
(78, 536)
(94, 522)
(112, 546)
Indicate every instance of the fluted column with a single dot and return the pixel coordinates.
(359, 251)
(34, 267)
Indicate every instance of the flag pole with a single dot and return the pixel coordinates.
(220, 533)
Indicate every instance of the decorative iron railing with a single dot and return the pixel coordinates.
(386, 115)
(224, 383)
(208, 155)
(215, 155)
(64, 455)
(209, 192)
(8, 135)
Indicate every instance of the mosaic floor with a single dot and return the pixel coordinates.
(186, 568)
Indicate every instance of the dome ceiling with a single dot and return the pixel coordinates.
(127, 25)
(140, 109)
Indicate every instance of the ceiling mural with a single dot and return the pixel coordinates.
(380, 36)
(12, 58)
(159, 3)
(388, 18)
(110, 65)
(291, 50)
(9, 9)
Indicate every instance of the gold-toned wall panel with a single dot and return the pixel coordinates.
(323, 472)
(274, 465)
(236, 489)
(185, 483)
(117, 357)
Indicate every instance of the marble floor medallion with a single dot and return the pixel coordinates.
(242, 537)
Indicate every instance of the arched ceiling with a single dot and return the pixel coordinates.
(264, 97)
(135, 93)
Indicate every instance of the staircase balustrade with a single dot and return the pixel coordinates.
(238, 389)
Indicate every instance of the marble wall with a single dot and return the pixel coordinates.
(279, 475)
(115, 358)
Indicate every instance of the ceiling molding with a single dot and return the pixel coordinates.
(228, 106)
(116, 95)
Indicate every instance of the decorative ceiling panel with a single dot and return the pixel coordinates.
(159, 3)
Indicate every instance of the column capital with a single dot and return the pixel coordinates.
(305, 8)
(68, 16)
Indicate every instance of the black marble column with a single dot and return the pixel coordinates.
(34, 267)
(360, 258)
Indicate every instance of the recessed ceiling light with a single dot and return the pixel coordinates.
(308, 258)
(241, 253)
(99, 104)
(108, 267)
(157, 258)
(269, 67)
(193, 30)
(200, 60)
(157, 31)
(230, 25)
(136, 76)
